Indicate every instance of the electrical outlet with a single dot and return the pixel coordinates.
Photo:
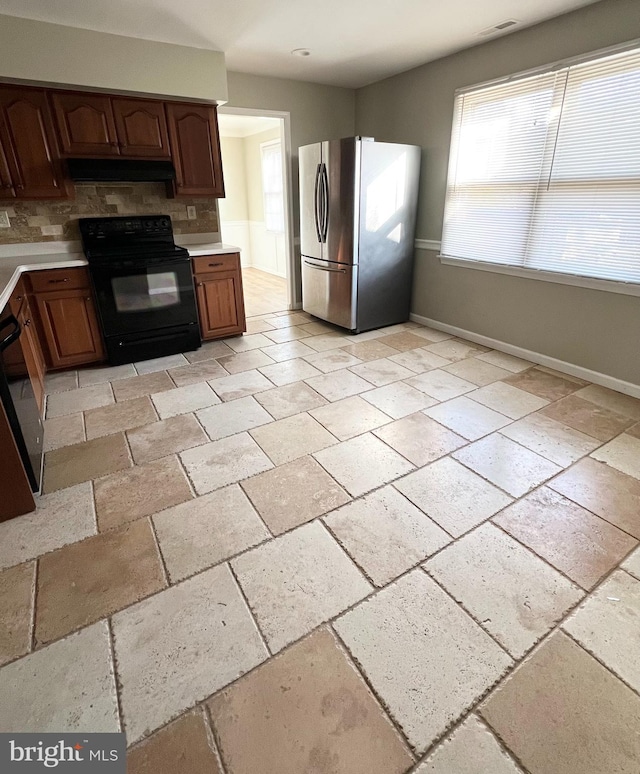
(4, 219)
(191, 212)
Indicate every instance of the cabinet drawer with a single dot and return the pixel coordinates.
(59, 279)
(205, 264)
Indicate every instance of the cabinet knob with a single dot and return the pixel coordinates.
(27, 323)
(20, 186)
(200, 284)
(56, 281)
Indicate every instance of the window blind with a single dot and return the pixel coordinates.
(544, 171)
(272, 186)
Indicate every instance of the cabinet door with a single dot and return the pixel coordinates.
(32, 355)
(26, 133)
(70, 328)
(85, 124)
(7, 191)
(141, 127)
(195, 149)
(220, 304)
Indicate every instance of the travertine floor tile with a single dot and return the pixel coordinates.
(198, 635)
(420, 360)
(70, 402)
(370, 350)
(288, 350)
(612, 400)
(118, 417)
(332, 360)
(60, 382)
(349, 417)
(16, 594)
(281, 335)
(209, 350)
(456, 349)
(60, 517)
(623, 454)
(561, 711)
(168, 436)
(603, 490)
(575, 541)
(339, 385)
(398, 399)
(453, 496)
(184, 400)
(182, 746)
(143, 490)
(587, 417)
(283, 402)
(104, 374)
(316, 328)
(313, 713)
(557, 442)
(197, 372)
(543, 384)
(207, 530)
(289, 371)
(247, 342)
(84, 582)
(68, 686)
(245, 361)
(160, 364)
(413, 643)
(430, 333)
(501, 359)
(381, 372)
(632, 564)
(137, 386)
(292, 437)
(327, 341)
(471, 749)
(240, 385)
(293, 494)
(420, 439)
(440, 384)
(607, 624)
(507, 464)
(223, 462)
(467, 418)
(508, 400)
(385, 534)
(233, 417)
(345, 462)
(514, 594)
(297, 581)
(403, 341)
(288, 319)
(63, 431)
(84, 461)
(477, 371)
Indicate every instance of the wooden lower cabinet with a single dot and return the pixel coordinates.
(220, 298)
(32, 354)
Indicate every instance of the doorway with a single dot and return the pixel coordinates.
(255, 215)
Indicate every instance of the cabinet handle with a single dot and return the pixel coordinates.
(27, 323)
(88, 298)
(217, 264)
(56, 281)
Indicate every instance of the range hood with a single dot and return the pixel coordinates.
(119, 171)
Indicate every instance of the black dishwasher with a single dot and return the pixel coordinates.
(19, 400)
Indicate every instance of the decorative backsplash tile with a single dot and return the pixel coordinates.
(49, 221)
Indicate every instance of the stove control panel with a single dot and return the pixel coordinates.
(140, 229)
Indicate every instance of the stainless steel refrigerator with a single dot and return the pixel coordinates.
(358, 203)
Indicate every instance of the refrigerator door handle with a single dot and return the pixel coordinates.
(325, 209)
(317, 204)
(323, 268)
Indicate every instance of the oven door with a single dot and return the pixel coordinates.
(135, 297)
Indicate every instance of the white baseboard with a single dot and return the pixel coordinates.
(536, 357)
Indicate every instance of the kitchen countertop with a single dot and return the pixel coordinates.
(11, 267)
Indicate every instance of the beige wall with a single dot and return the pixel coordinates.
(253, 167)
(234, 206)
(594, 329)
(56, 54)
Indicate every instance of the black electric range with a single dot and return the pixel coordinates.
(144, 287)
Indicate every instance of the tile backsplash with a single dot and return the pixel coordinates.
(52, 221)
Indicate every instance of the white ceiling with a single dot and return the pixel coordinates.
(353, 42)
(244, 126)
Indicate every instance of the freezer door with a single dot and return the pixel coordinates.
(329, 291)
(339, 193)
(310, 168)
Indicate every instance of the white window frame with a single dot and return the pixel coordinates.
(263, 146)
(613, 286)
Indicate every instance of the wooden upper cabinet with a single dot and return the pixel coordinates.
(195, 149)
(30, 159)
(7, 191)
(86, 124)
(141, 127)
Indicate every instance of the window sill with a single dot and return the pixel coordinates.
(611, 286)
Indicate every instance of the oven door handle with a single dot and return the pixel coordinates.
(15, 333)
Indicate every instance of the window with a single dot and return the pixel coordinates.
(544, 171)
(272, 186)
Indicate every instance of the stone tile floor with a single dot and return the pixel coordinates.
(303, 552)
